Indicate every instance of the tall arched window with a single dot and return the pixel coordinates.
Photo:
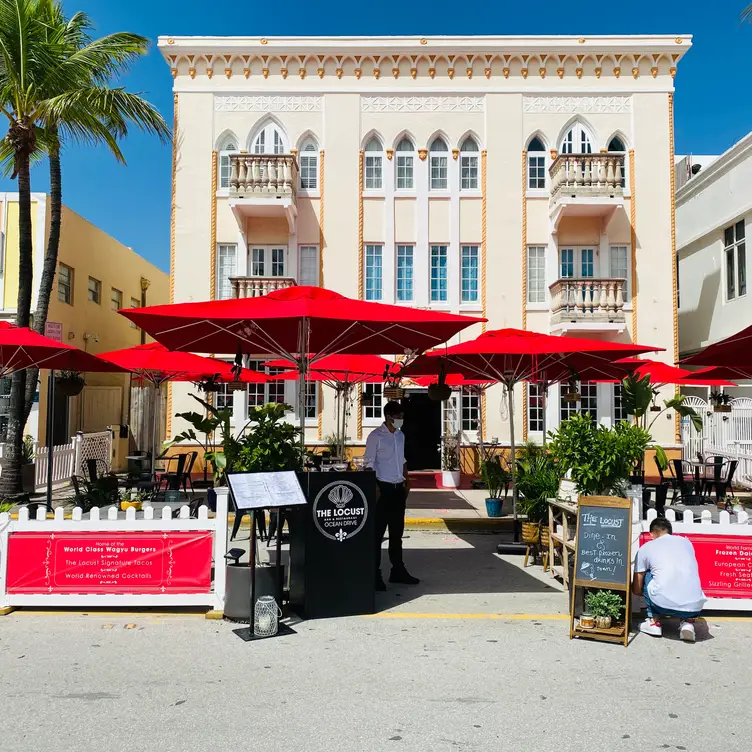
(228, 147)
(374, 158)
(439, 165)
(405, 165)
(616, 146)
(269, 141)
(469, 169)
(536, 164)
(577, 140)
(309, 166)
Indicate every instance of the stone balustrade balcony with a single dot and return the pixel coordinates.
(587, 300)
(254, 287)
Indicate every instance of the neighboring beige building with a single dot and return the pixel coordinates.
(527, 179)
(96, 276)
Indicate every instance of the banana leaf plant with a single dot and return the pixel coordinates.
(639, 395)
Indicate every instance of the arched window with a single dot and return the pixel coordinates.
(373, 174)
(269, 141)
(536, 164)
(405, 165)
(469, 165)
(439, 165)
(616, 144)
(228, 147)
(309, 166)
(577, 141)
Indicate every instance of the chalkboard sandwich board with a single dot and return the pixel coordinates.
(603, 554)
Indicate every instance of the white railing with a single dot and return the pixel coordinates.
(119, 560)
(263, 175)
(254, 287)
(63, 462)
(587, 299)
(587, 176)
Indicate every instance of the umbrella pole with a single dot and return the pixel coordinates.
(544, 403)
(50, 432)
(303, 369)
(480, 429)
(154, 422)
(513, 462)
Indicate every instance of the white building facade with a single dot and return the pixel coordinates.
(528, 180)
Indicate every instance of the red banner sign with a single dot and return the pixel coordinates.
(724, 562)
(129, 562)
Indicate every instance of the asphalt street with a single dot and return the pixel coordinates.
(473, 670)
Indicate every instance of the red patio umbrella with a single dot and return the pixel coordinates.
(658, 372)
(342, 373)
(733, 353)
(295, 321)
(156, 364)
(513, 355)
(716, 376)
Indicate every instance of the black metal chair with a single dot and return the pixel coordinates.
(172, 480)
(669, 483)
(187, 474)
(239, 514)
(724, 476)
(683, 482)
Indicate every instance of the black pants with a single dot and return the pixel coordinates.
(390, 513)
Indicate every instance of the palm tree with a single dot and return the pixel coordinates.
(53, 87)
(747, 14)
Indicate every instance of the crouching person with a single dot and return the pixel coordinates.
(666, 576)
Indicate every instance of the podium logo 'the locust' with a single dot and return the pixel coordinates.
(340, 510)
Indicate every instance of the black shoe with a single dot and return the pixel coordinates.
(379, 585)
(404, 577)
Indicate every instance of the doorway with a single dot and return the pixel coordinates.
(422, 429)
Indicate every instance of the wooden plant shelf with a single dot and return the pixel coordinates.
(614, 634)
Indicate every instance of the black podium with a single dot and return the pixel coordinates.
(332, 555)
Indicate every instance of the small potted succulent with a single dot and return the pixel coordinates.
(450, 461)
(70, 383)
(605, 606)
(721, 402)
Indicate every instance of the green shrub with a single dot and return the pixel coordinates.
(604, 603)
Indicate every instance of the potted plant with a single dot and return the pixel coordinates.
(605, 605)
(28, 466)
(70, 383)
(496, 479)
(537, 479)
(450, 461)
(134, 499)
(721, 402)
(572, 394)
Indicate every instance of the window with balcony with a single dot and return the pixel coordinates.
(735, 253)
(95, 291)
(536, 164)
(309, 166)
(228, 147)
(373, 169)
(617, 146)
(620, 266)
(372, 401)
(405, 165)
(227, 266)
(439, 273)
(577, 140)
(268, 261)
(269, 140)
(469, 166)
(536, 274)
(374, 269)
(65, 283)
(439, 165)
(470, 265)
(405, 257)
(535, 408)
(577, 262)
(308, 266)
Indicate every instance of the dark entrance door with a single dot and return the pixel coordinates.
(422, 429)
(60, 433)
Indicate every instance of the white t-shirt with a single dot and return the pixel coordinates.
(676, 581)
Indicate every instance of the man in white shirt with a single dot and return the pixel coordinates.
(666, 575)
(385, 455)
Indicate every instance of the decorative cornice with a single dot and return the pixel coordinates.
(264, 103)
(577, 105)
(423, 104)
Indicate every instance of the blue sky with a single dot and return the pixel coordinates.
(132, 203)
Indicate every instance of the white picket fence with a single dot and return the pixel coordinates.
(728, 435)
(119, 522)
(64, 461)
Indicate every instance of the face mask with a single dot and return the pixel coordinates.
(397, 423)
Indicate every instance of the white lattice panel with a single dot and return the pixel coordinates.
(96, 446)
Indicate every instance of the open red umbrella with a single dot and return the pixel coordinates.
(342, 373)
(658, 372)
(156, 364)
(513, 355)
(295, 321)
(733, 353)
(716, 376)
